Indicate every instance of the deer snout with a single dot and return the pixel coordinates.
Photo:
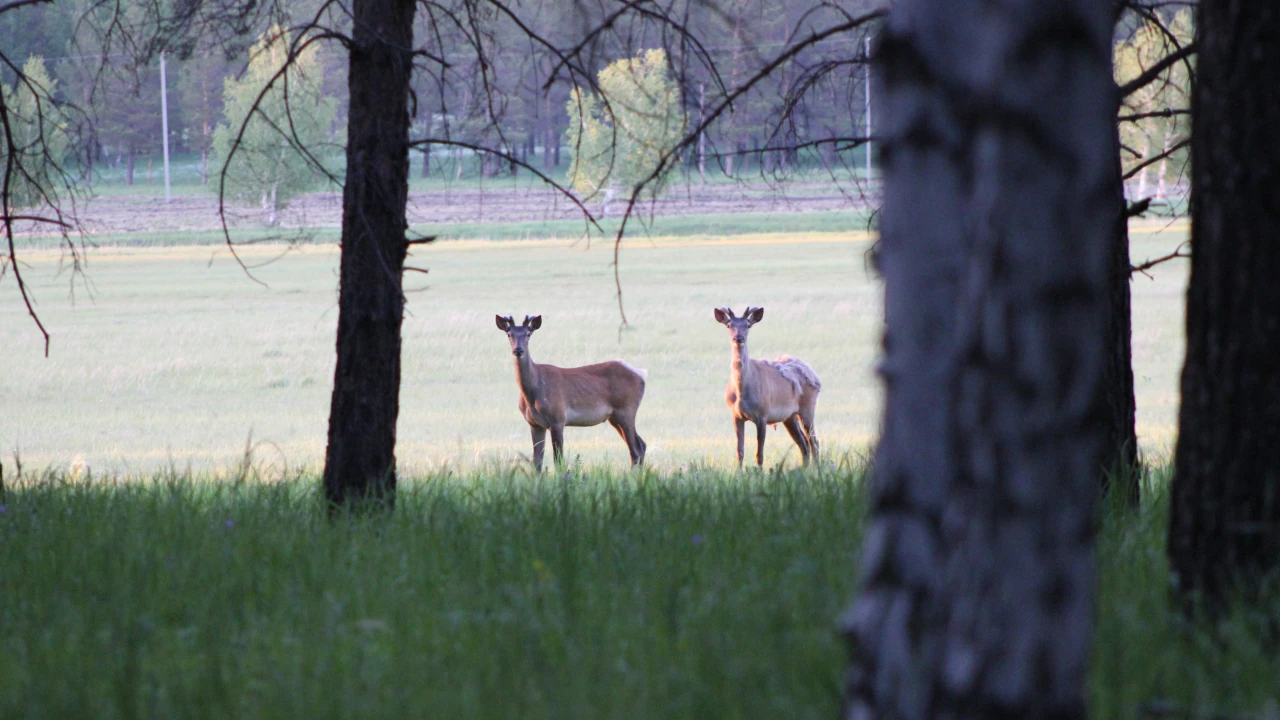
(518, 352)
(739, 339)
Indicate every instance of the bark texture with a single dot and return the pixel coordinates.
(999, 215)
(360, 461)
(1120, 472)
(1224, 537)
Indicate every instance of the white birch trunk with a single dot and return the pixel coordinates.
(977, 569)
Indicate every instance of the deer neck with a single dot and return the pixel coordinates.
(740, 366)
(527, 376)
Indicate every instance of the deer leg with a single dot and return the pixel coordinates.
(557, 444)
(738, 426)
(761, 428)
(806, 419)
(796, 431)
(635, 446)
(539, 445)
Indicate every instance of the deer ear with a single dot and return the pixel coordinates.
(504, 323)
(534, 322)
(754, 314)
(722, 315)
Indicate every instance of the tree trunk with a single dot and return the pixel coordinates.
(1142, 174)
(426, 160)
(1224, 536)
(1120, 443)
(702, 136)
(1163, 171)
(360, 462)
(999, 213)
(128, 170)
(544, 124)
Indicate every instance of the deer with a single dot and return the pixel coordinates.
(767, 392)
(554, 397)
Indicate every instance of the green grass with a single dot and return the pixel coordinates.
(598, 594)
(638, 228)
(184, 175)
(698, 594)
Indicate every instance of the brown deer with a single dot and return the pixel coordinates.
(552, 397)
(769, 391)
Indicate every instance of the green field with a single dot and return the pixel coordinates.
(695, 594)
(173, 356)
(152, 569)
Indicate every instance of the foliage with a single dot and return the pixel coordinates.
(620, 137)
(275, 158)
(39, 135)
(200, 82)
(1149, 136)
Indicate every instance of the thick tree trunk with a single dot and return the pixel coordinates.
(1224, 537)
(999, 213)
(1120, 442)
(360, 462)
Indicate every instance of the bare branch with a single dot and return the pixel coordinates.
(1180, 252)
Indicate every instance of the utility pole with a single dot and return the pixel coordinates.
(164, 125)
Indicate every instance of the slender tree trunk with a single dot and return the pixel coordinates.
(1224, 537)
(702, 136)
(360, 462)
(89, 160)
(128, 170)
(544, 132)
(999, 213)
(1161, 187)
(1121, 440)
(1142, 174)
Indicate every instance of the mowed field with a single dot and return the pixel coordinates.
(175, 357)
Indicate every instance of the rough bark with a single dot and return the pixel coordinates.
(1121, 440)
(978, 570)
(1224, 537)
(360, 462)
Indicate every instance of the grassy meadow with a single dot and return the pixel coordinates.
(173, 357)
(165, 554)
(697, 593)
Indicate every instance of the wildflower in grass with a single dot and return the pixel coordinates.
(697, 539)
(544, 573)
(230, 523)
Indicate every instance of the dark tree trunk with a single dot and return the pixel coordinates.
(1121, 440)
(360, 462)
(128, 169)
(1224, 537)
(997, 229)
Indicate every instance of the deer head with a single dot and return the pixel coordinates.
(739, 326)
(518, 334)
